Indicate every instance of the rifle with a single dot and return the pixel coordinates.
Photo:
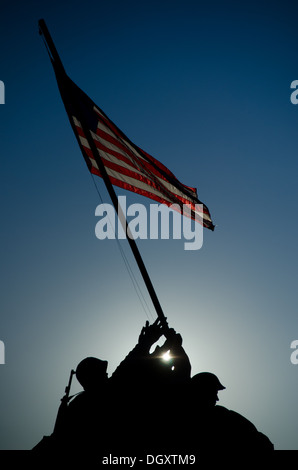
(49, 443)
(63, 406)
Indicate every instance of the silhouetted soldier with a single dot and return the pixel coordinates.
(149, 387)
(205, 387)
(217, 429)
(87, 426)
(82, 429)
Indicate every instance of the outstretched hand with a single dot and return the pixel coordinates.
(151, 333)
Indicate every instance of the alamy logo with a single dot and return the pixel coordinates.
(294, 94)
(2, 92)
(294, 355)
(2, 353)
(153, 226)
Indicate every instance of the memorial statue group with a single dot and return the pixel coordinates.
(150, 406)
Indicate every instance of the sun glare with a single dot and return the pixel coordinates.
(166, 356)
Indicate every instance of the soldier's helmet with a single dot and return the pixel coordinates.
(91, 371)
(206, 381)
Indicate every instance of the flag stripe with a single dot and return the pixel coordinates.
(115, 160)
(112, 143)
(127, 179)
(143, 192)
(112, 159)
(141, 189)
(109, 125)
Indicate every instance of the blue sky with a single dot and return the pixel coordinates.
(205, 88)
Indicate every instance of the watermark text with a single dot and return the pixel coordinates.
(294, 355)
(2, 92)
(161, 222)
(294, 94)
(161, 459)
(2, 353)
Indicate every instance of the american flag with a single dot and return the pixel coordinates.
(128, 166)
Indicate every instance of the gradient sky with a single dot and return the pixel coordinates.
(205, 88)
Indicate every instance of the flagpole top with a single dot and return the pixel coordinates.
(43, 31)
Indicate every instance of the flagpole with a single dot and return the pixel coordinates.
(56, 59)
(50, 44)
(123, 220)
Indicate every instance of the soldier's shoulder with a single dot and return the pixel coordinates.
(234, 417)
(77, 400)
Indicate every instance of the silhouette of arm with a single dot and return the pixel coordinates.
(136, 361)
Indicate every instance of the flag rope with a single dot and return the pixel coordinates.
(128, 267)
